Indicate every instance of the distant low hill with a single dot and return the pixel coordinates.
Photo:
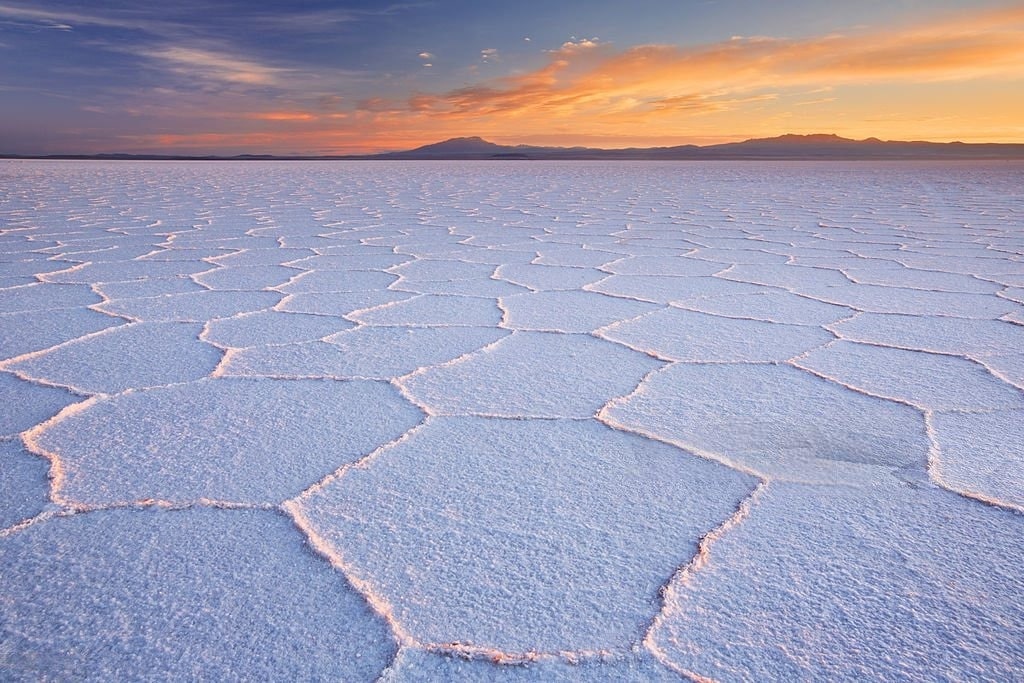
(796, 147)
(784, 147)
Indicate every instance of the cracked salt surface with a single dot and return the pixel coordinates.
(775, 420)
(237, 440)
(34, 403)
(417, 666)
(568, 311)
(484, 551)
(886, 582)
(676, 334)
(496, 422)
(22, 333)
(531, 374)
(433, 309)
(272, 327)
(132, 356)
(23, 484)
(228, 594)
(366, 352)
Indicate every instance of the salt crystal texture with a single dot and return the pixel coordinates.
(511, 422)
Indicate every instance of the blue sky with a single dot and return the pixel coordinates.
(226, 77)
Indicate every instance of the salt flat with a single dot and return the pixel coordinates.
(511, 421)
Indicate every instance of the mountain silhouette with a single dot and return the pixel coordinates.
(789, 146)
(820, 146)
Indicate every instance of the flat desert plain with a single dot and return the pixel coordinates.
(511, 421)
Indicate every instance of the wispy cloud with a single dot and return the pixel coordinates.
(68, 19)
(211, 65)
(152, 18)
(821, 100)
(313, 21)
(36, 25)
(318, 21)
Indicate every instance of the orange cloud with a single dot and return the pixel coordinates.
(587, 79)
(283, 116)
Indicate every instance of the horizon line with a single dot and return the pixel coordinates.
(796, 139)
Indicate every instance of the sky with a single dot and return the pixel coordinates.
(354, 76)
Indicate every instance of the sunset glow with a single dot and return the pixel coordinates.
(356, 77)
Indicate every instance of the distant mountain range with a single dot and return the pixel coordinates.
(785, 147)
